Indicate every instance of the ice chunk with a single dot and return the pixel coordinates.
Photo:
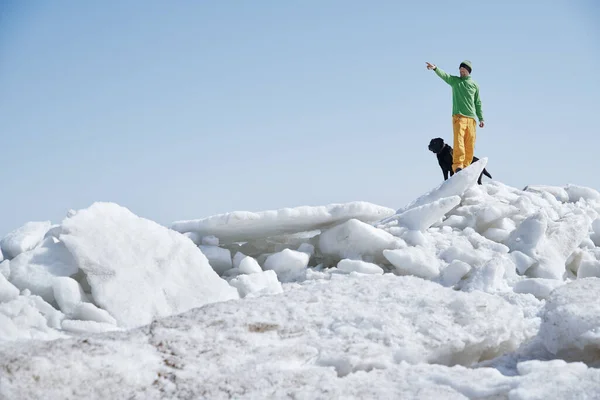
(54, 231)
(210, 240)
(489, 277)
(481, 242)
(8, 291)
(459, 221)
(194, 237)
(422, 217)
(36, 269)
(218, 258)
(357, 240)
(549, 243)
(5, 268)
(307, 248)
(414, 261)
(589, 268)
(347, 265)
(454, 272)
(249, 265)
(558, 192)
(571, 320)
(289, 265)
(521, 260)
(456, 185)
(562, 238)
(496, 234)
(241, 226)
(89, 312)
(237, 259)
(79, 326)
(526, 237)
(68, 294)
(576, 193)
(595, 236)
(539, 287)
(491, 214)
(24, 238)
(137, 269)
(261, 283)
(463, 252)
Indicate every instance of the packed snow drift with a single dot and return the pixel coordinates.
(470, 291)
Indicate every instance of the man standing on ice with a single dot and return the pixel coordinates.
(466, 106)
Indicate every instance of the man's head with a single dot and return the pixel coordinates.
(465, 68)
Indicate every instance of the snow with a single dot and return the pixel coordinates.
(289, 265)
(358, 266)
(470, 291)
(264, 282)
(249, 265)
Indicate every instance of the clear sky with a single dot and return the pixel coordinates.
(185, 109)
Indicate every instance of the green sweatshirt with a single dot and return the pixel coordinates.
(465, 95)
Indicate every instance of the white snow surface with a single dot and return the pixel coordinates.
(470, 291)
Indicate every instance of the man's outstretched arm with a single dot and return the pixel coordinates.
(449, 79)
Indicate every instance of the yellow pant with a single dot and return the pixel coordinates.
(464, 141)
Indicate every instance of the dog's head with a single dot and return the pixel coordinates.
(436, 145)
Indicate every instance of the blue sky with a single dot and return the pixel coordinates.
(181, 110)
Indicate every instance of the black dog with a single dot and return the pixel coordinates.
(444, 156)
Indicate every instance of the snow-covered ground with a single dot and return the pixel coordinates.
(470, 291)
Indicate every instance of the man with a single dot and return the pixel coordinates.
(466, 106)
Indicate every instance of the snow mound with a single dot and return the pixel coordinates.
(139, 270)
(348, 337)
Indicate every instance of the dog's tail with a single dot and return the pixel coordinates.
(487, 173)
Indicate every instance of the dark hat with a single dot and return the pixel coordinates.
(466, 65)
